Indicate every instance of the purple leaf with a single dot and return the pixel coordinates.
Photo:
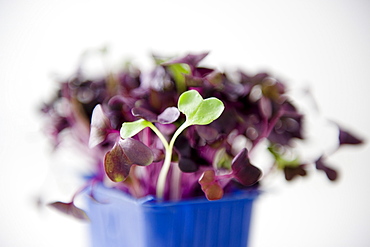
(166, 129)
(169, 115)
(210, 186)
(188, 165)
(190, 59)
(292, 172)
(207, 133)
(124, 154)
(70, 209)
(347, 138)
(196, 79)
(137, 152)
(330, 173)
(202, 72)
(100, 127)
(116, 164)
(243, 170)
(144, 113)
(120, 110)
(193, 81)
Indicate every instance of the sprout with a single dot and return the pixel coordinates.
(198, 111)
(175, 131)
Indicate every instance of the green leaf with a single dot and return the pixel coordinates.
(209, 110)
(130, 129)
(189, 102)
(178, 71)
(222, 160)
(283, 162)
(197, 110)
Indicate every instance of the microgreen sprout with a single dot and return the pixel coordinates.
(198, 111)
(152, 132)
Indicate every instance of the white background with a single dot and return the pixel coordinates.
(323, 45)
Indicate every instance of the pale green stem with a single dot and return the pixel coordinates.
(167, 162)
(175, 193)
(159, 134)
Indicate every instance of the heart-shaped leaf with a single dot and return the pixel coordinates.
(209, 110)
(291, 172)
(189, 102)
(116, 164)
(197, 110)
(137, 152)
(124, 154)
(210, 186)
(243, 170)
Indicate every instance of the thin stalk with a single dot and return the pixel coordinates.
(159, 134)
(175, 183)
(167, 162)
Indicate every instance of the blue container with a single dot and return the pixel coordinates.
(118, 220)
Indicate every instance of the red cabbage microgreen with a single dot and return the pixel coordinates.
(181, 130)
(125, 153)
(330, 172)
(198, 111)
(70, 209)
(210, 186)
(246, 173)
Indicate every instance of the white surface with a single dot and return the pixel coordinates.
(323, 44)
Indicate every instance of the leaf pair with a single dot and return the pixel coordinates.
(125, 153)
(246, 173)
(199, 111)
(210, 186)
(242, 170)
(169, 115)
(129, 129)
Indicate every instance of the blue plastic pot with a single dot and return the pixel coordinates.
(118, 220)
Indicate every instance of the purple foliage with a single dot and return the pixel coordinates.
(257, 107)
